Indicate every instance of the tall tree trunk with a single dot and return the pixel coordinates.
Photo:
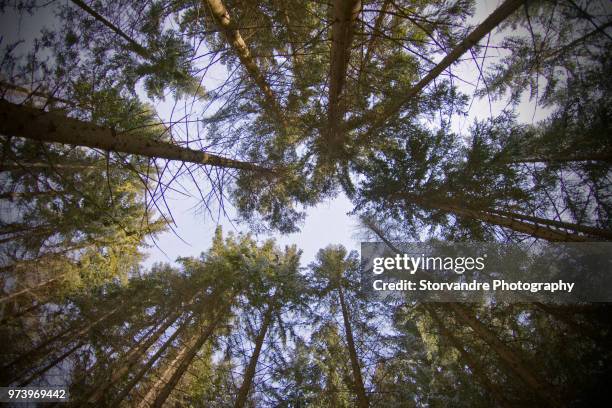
(185, 361)
(345, 13)
(135, 354)
(496, 392)
(539, 386)
(534, 230)
(491, 22)
(166, 375)
(368, 222)
(41, 349)
(570, 158)
(23, 121)
(79, 382)
(249, 373)
(51, 364)
(21, 166)
(137, 48)
(143, 370)
(234, 38)
(362, 399)
(487, 216)
(128, 361)
(384, 110)
(598, 232)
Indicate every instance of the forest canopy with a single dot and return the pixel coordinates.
(260, 111)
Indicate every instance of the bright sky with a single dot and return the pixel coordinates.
(328, 223)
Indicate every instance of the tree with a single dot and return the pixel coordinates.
(495, 326)
(331, 266)
(262, 110)
(445, 179)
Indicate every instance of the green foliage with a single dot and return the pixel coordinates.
(74, 220)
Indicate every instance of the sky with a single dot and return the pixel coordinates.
(327, 223)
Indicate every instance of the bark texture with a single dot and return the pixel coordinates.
(362, 398)
(345, 13)
(249, 373)
(538, 229)
(188, 354)
(23, 121)
(234, 38)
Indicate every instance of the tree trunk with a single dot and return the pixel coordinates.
(362, 399)
(491, 22)
(223, 20)
(128, 388)
(598, 232)
(51, 364)
(43, 166)
(345, 13)
(128, 361)
(38, 351)
(166, 375)
(189, 353)
(382, 112)
(521, 226)
(79, 381)
(543, 390)
(487, 216)
(496, 392)
(249, 373)
(379, 233)
(137, 48)
(23, 121)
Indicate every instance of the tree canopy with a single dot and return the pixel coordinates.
(260, 111)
